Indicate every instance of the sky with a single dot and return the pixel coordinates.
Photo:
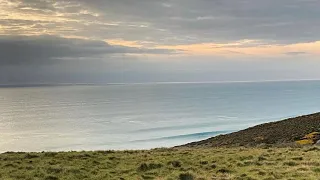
(137, 41)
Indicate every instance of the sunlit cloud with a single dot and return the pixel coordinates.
(246, 48)
(121, 42)
(124, 42)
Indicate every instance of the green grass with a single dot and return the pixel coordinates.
(184, 164)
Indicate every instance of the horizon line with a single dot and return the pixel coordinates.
(155, 83)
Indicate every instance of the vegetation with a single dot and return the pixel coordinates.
(176, 163)
(275, 133)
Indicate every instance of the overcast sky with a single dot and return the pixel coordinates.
(119, 41)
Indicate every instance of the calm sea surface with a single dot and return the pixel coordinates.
(143, 116)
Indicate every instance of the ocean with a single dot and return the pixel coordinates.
(143, 116)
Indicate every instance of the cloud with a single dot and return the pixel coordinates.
(226, 28)
(286, 21)
(296, 53)
(177, 22)
(42, 5)
(100, 40)
(41, 49)
(249, 48)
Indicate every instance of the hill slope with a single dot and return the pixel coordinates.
(285, 131)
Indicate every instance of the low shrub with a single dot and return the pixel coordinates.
(186, 176)
(175, 164)
(204, 162)
(297, 158)
(290, 163)
(51, 178)
(223, 170)
(148, 167)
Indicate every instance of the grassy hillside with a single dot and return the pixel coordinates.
(183, 164)
(281, 132)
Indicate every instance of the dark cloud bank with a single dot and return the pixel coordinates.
(52, 59)
(41, 49)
